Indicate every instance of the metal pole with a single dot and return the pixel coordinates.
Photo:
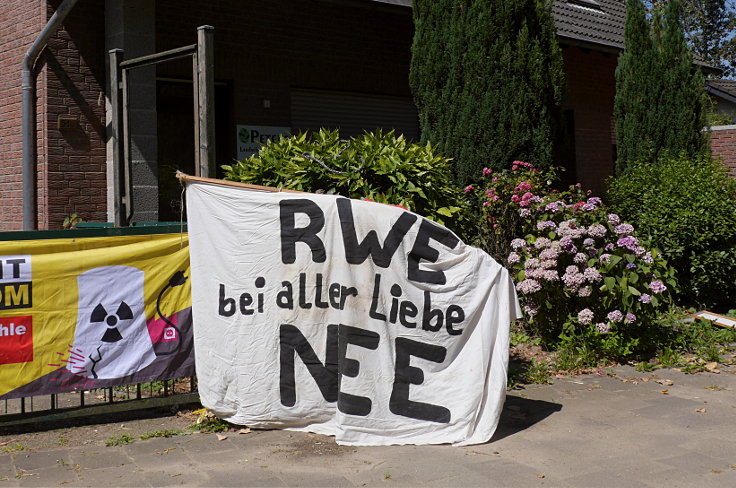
(116, 56)
(206, 96)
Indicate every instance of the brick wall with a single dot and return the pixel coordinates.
(266, 48)
(70, 78)
(723, 146)
(74, 163)
(263, 50)
(591, 87)
(20, 21)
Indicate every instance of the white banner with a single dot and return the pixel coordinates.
(345, 317)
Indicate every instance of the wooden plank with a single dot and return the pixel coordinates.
(195, 96)
(188, 178)
(151, 59)
(716, 319)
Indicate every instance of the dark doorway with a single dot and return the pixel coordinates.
(175, 125)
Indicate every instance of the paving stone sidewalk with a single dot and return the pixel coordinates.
(617, 428)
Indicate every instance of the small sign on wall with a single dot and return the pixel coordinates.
(251, 137)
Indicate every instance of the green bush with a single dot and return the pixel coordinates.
(376, 166)
(686, 207)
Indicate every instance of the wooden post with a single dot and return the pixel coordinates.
(127, 165)
(195, 97)
(206, 99)
(116, 56)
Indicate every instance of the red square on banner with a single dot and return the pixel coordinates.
(16, 339)
(160, 331)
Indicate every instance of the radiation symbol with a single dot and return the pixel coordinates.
(111, 334)
(100, 315)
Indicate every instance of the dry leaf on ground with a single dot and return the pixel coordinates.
(713, 366)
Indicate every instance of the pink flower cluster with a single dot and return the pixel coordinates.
(585, 316)
(529, 286)
(603, 328)
(657, 286)
(568, 250)
(521, 164)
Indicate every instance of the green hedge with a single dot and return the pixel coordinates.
(687, 208)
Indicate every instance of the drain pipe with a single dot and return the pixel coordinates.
(29, 109)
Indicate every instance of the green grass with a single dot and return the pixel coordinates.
(121, 440)
(211, 424)
(538, 372)
(669, 357)
(15, 447)
(161, 433)
(520, 337)
(645, 367)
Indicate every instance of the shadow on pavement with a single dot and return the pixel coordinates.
(521, 413)
(75, 417)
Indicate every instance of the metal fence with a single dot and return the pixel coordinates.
(98, 401)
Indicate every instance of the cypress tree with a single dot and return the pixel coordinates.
(488, 80)
(635, 74)
(683, 101)
(660, 103)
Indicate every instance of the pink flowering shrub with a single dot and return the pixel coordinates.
(582, 275)
(506, 198)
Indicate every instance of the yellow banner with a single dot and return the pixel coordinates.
(82, 313)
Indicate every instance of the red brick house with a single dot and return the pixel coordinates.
(287, 65)
(723, 137)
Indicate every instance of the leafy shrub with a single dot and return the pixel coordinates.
(686, 208)
(584, 278)
(376, 166)
(503, 219)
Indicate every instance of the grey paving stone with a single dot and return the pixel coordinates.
(504, 469)
(676, 478)
(6, 465)
(112, 476)
(229, 478)
(111, 457)
(175, 477)
(195, 442)
(216, 459)
(308, 480)
(713, 447)
(35, 460)
(672, 408)
(693, 462)
(54, 476)
(602, 478)
(588, 431)
(151, 457)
